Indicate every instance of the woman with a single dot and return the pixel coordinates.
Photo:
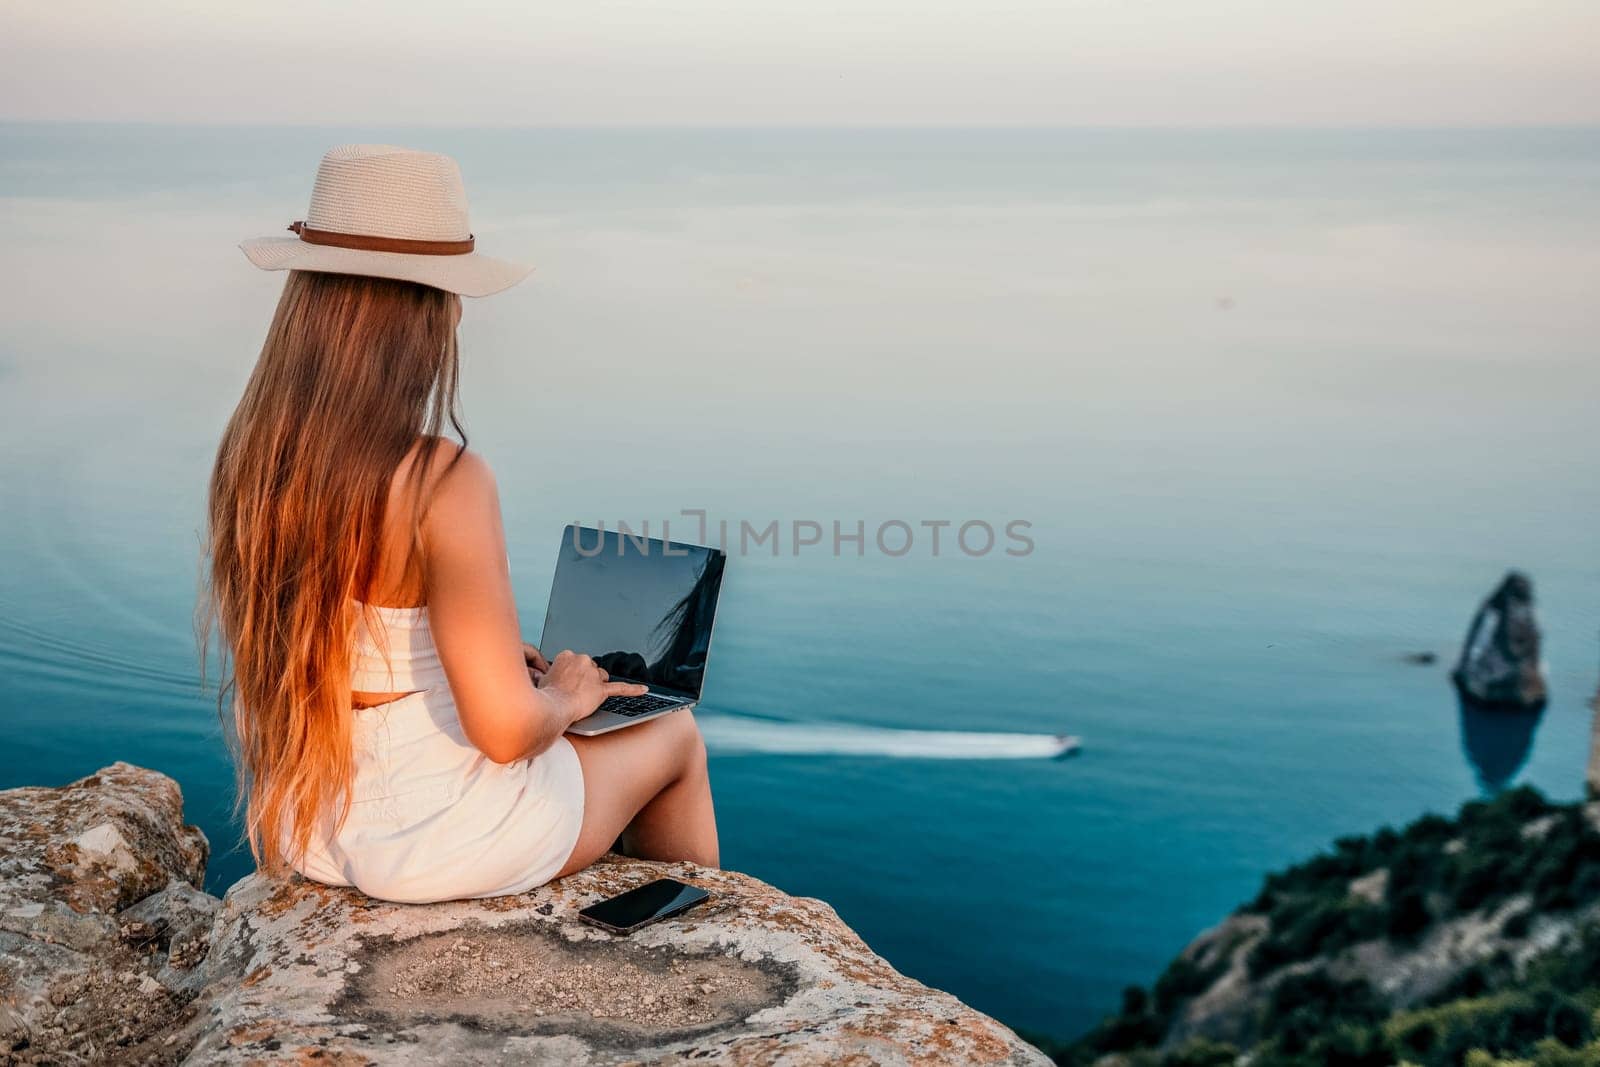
(392, 730)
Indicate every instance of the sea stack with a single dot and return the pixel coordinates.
(1499, 664)
(1593, 790)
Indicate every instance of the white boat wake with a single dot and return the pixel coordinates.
(738, 735)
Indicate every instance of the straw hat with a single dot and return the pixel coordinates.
(388, 212)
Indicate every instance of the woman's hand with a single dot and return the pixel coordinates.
(538, 666)
(580, 685)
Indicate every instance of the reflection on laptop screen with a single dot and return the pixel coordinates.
(644, 615)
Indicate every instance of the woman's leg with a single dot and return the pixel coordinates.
(648, 785)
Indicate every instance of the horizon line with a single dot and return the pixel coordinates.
(1197, 127)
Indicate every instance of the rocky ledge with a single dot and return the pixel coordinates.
(110, 953)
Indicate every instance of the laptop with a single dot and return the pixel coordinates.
(643, 608)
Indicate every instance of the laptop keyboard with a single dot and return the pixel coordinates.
(631, 706)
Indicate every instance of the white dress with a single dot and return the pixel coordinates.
(431, 817)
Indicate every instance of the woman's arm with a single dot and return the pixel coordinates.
(474, 621)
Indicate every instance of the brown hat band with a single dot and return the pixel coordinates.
(368, 243)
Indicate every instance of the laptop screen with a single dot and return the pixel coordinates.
(641, 607)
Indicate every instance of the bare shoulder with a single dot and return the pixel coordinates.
(459, 488)
(462, 475)
(449, 467)
(456, 486)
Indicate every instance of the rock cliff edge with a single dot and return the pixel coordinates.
(111, 953)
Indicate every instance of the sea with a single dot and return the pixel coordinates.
(1253, 419)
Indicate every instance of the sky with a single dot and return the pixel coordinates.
(820, 62)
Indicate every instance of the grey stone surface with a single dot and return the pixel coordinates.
(79, 977)
(753, 976)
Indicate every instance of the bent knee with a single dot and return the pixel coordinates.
(686, 739)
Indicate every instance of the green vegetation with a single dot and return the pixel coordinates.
(1437, 869)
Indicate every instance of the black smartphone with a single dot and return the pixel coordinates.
(651, 902)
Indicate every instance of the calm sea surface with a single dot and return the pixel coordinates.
(1280, 407)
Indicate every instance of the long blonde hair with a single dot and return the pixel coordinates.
(355, 371)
